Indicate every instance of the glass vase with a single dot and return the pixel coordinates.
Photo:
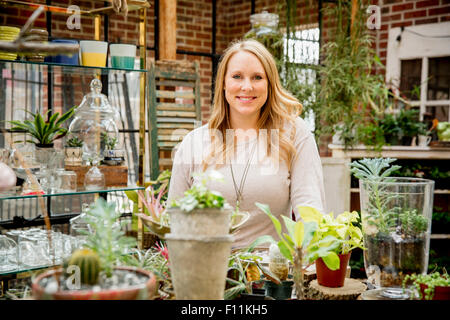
(396, 223)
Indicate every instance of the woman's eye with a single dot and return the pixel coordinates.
(236, 76)
(258, 77)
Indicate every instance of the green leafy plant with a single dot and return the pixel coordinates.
(44, 132)
(408, 121)
(334, 235)
(374, 172)
(199, 196)
(106, 236)
(74, 142)
(108, 142)
(430, 281)
(412, 223)
(291, 244)
(156, 260)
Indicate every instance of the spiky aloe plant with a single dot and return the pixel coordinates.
(44, 132)
(74, 142)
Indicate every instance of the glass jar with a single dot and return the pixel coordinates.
(278, 264)
(396, 223)
(8, 254)
(95, 122)
(265, 30)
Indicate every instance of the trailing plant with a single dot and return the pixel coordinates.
(44, 132)
(199, 196)
(106, 237)
(431, 281)
(74, 142)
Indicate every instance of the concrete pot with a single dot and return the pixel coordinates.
(198, 266)
(200, 222)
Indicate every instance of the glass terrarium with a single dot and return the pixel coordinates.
(396, 223)
(265, 30)
(94, 121)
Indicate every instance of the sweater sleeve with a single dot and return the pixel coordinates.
(180, 180)
(307, 188)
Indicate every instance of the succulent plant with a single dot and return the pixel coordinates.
(89, 263)
(74, 142)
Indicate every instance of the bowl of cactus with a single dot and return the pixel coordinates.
(73, 151)
(98, 270)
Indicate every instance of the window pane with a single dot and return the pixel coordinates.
(410, 78)
(439, 78)
(438, 112)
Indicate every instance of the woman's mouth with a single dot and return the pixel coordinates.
(245, 99)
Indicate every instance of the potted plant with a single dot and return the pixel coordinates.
(244, 277)
(291, 244)
(391, 129)
(396, 219)
(156, 260)
(93, 272)
(332, 244)
(410, 126)
(434, 286)
(199, 241)
(201, 211)
(73, 151)
(44, 132)
(111, 155)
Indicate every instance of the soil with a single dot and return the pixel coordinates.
(395, 259)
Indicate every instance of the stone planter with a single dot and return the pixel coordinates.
(73, 156)
(199, 266)
(209, 222)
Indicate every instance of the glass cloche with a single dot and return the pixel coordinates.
(95, 120)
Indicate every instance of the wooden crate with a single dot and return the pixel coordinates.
(115, 176)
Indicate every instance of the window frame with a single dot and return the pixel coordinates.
(414, 46)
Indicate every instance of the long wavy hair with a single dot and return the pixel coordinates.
(280, 108)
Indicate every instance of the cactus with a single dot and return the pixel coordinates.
(89, 263)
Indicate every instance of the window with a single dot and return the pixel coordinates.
(418, 64)
(304, 49)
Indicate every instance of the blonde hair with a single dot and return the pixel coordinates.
(280, 106)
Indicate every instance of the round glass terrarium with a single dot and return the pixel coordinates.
(265, 30)
(95, 122)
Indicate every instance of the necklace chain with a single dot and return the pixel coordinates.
(239, 190)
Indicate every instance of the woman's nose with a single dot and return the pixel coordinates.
(246, 85)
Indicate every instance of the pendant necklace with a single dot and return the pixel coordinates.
(239, 191)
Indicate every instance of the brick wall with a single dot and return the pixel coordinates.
(194, 26)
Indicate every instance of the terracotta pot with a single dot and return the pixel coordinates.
(330, 278)
(145, 291)
(440, 292)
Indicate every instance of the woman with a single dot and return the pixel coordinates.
(256, 140)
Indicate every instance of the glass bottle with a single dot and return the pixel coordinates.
(278, 264)
(265, 30)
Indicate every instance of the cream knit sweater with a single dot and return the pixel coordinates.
(266, 182)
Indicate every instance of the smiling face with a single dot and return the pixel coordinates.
(246, 89)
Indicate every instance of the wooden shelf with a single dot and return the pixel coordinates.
(437, 191)
(440, 236)
(399, 152)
